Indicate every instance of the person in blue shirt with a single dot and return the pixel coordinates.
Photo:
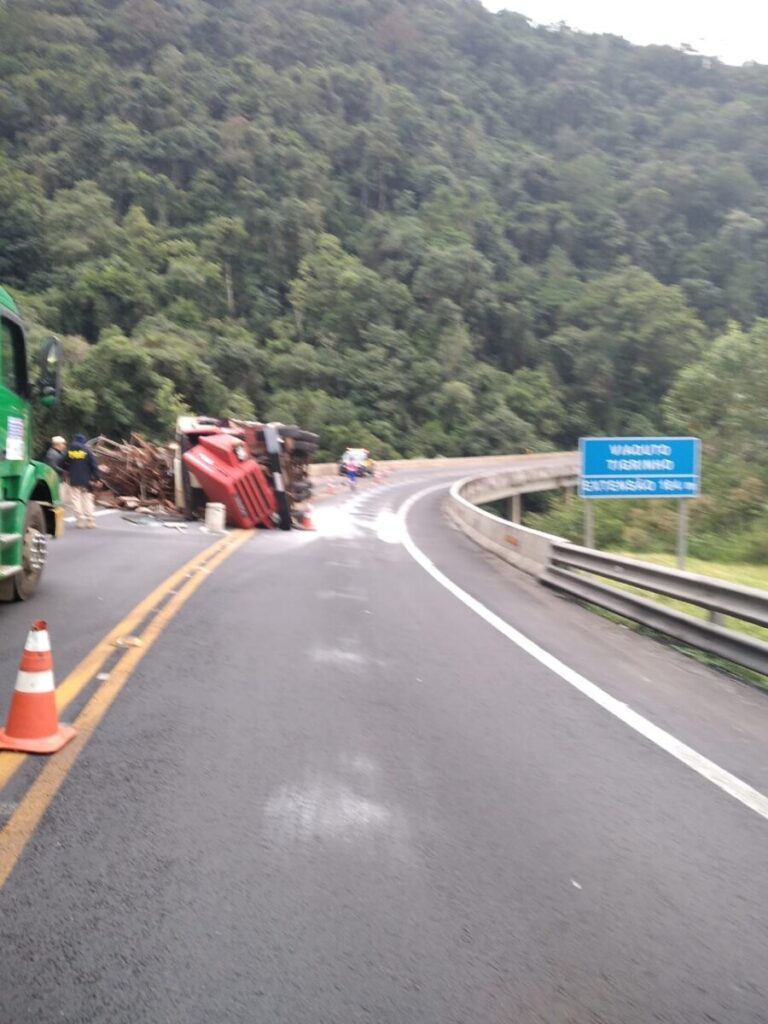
(82, 473)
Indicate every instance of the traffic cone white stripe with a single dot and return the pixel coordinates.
(35, 682)
(38, 640)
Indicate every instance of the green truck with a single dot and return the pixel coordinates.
(29, 491)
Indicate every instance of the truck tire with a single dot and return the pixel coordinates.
(297, 434)
(34, 549)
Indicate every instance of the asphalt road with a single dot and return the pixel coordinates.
(92, 580)
(333, 794)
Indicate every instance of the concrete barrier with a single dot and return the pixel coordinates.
(323, 469)
(529, 550)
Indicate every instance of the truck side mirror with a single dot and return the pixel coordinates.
(48, 387)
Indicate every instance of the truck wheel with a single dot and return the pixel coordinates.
(289, 431)
(309, 438)
(297, 434)
(34, 549)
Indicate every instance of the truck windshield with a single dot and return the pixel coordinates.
(14, 363)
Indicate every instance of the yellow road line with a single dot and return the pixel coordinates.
(20, 827)
(83, 673)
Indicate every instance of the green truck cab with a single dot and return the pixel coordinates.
(29, 491)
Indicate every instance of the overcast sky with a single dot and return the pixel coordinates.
(735, 31)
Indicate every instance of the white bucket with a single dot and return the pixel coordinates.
(215, 517)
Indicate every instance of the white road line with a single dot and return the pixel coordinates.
(730, 784)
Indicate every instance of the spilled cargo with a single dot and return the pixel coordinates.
(258, 471)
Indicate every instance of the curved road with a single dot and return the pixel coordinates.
(331, 793)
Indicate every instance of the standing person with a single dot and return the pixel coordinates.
(79, 464)
(55, 454)
(351, 471)
(54, 457)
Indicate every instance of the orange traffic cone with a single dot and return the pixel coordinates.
(306, 519)
(33, 724)
(330, 487)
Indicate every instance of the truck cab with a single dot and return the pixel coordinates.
(29, 491)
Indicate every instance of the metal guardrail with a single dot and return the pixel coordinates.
(577, 571)
(569, 564)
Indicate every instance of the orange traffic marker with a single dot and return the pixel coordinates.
(33, 724)
(306, 519)
(330, 487)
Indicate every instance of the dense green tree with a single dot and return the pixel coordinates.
(80, 224)
(627, 338)
(128, 391)
(420, 226)
(23, 250)
(722, 397)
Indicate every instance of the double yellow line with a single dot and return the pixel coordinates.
(175, 592)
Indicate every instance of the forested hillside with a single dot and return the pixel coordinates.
(415, 226)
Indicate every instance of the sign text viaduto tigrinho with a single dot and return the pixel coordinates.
(639, 467)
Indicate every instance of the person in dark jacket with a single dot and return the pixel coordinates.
(55, 454)
(54, 458)
(79, 466)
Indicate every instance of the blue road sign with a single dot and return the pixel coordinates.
(639, 467)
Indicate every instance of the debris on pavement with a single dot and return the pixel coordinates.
(128, 641)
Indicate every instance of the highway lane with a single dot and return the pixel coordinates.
(93, 578)
(331, 793)
(715, 713)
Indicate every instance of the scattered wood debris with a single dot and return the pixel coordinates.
(136, 473)
(140, 477)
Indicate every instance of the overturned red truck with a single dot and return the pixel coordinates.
(258, 471)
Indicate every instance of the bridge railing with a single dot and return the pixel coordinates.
(579, 571)
(436, 465)
(584, 573)
(528, 549)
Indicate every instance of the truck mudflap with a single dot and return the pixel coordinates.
(227, 474)
(58, 521)
(54, 518)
